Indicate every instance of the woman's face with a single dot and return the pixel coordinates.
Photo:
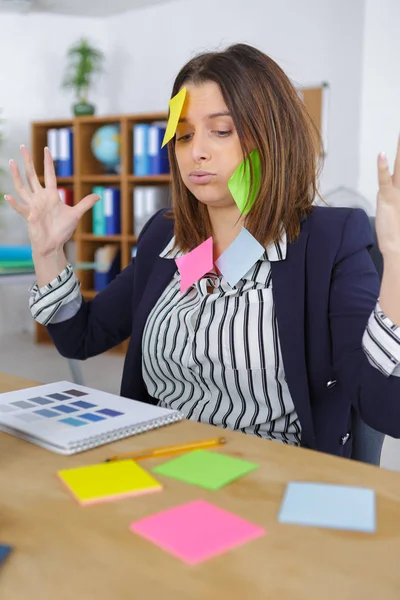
(207, 146)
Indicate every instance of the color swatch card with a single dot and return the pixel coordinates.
(67, 418)
(196, 531)
(4, 552)
(205, 469)
(108, 481)
(327, 505)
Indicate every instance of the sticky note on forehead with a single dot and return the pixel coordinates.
(240, 182)
(175, 108)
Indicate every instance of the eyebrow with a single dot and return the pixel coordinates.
(223, 113)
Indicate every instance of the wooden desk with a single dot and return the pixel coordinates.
(64, 551)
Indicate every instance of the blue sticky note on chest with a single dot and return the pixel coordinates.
(328, 505)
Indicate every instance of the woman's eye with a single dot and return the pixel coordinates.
(183, 138)
(223, 133)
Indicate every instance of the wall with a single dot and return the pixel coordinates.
(380, 104)
(313, 41)
(32, 60)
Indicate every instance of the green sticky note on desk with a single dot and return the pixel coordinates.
(206, 469)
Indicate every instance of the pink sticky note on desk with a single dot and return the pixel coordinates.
(195, 264)
(196, 531)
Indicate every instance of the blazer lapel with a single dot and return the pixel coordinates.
(161, 274)
(288, 287)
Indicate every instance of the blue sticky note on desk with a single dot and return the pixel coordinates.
(4, 552)
(328, 505)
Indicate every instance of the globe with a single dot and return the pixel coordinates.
(106, 147)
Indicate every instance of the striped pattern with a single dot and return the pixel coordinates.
(381, 343)
(61, 293)
(214, 353)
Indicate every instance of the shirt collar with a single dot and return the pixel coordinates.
(274, 252)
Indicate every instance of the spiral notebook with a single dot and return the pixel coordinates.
(68, 418)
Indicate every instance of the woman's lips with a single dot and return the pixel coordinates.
(201, 177)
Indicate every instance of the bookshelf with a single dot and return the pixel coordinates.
(88, 172)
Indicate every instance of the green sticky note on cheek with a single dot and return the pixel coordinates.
(239, 183)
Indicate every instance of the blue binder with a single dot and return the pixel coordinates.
(112, 210)
(103, 278)
(158, 157)
(141, 165)
(65, 156)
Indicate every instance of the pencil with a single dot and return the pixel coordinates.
(167, 450)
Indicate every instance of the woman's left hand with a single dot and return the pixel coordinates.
(388, 207)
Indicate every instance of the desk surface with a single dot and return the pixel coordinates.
(65, 551)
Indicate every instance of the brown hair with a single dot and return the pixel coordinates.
(268, 113)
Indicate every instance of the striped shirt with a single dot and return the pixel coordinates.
(213, 352)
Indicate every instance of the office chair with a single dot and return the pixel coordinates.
(367, 443)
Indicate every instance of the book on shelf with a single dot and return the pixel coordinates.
(108, 259)
(148, 156)
(148, 199)
(67, 195)
(158, 157)
(106, 213)
(141, 159)
(112, 210)
(60, 143)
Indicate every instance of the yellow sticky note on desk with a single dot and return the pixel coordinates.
(108, 481)
(175, 108)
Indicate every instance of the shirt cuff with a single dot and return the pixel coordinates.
(46, 301)
(381, 343)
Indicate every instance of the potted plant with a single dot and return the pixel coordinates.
(84, 63)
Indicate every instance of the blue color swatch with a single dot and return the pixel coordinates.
(327, 505)
(83, 404)
(109, 413)
(44, 412)
(91, 417)
(65, 408)
(40, 400)
(73, 422)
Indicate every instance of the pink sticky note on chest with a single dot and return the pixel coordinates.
(194, 265)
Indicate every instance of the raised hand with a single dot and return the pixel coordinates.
(51, 223)
(388, 207)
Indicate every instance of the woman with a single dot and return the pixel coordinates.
(298, 341)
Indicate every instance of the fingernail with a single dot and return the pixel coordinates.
(47, 148)
(5, 197)
(382, 157)
(10, 161)
(22, 146)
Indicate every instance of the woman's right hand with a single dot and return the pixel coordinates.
(51, 223)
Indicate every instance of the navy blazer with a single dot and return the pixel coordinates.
(324, 291)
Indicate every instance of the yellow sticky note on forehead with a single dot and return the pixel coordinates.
(175, 109)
